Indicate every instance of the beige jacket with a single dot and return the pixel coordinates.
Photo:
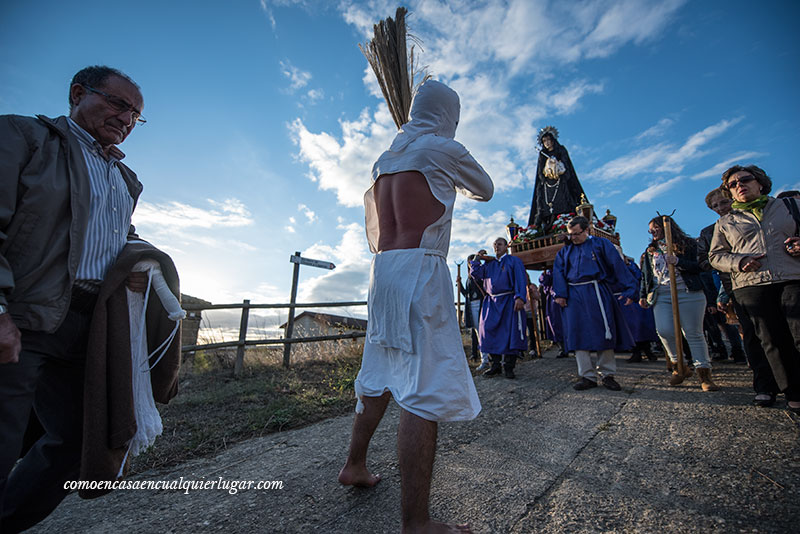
(739, 234)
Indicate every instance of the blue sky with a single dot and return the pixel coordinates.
(263, 121)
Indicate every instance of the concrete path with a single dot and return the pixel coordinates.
(541, 457)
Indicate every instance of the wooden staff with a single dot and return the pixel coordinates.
(458, 295)
(673, 291)
(534, 318)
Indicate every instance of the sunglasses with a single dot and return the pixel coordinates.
(733, 184)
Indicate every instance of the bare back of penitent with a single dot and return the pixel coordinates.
(406, 207)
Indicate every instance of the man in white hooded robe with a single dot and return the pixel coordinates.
(413, 351)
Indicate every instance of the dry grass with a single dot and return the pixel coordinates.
(213, 410)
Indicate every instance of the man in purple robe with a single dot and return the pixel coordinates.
(502, 328)
(586, 274)
(641, 322)
(552, 312)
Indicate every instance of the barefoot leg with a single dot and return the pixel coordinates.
(354, 472)
(416, 449)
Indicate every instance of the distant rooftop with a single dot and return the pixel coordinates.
(337, 320)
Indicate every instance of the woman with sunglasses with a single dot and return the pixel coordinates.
(758, 243)
(655, 291)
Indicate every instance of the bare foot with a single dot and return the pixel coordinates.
(359, 477)
(434, 527)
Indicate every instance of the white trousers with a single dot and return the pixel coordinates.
(605, 363)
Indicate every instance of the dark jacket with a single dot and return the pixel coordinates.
(703, 246)
(44, 211)
(688, 266)
(109, 422)
(471, 293)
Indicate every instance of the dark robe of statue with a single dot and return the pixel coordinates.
(553, 197)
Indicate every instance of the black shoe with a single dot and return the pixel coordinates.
(562, 354)
(636, 357)
(765, 403)
(584, 383)
(610, 383)
(650, 356)
(495, 370)
(510, 373)
(718, 356)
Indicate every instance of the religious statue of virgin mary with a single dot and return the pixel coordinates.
(556, 189)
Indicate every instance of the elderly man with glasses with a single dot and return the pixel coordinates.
(587, 272)
(66, 201)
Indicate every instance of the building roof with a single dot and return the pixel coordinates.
(331, 319)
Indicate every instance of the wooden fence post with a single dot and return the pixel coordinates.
(237, 367)
(287, 347)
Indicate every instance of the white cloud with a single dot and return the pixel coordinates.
(268, 11)
(315, 95)
(653, 191)
(631, 164)
(661, 157)
(297, 78)
(345, 167)
(177, 215)
(743, 158)
(533, 35)
(635, 21)
(305, 210)
(483, 49)
(676, 161)
(657, 130)
(350, 279)
(476, 230)
(566, 100)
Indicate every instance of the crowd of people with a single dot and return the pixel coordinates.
(738, 280)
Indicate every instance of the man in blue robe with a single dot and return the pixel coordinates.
(552, 311)
(587, 272)
(502, 328)
(641, 322)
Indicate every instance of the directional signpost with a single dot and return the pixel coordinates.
(298, 261)
(311, 263)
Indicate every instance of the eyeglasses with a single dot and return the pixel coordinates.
(732, 184)
(571, 234)
(119, 105)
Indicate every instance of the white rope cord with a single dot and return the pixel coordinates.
(148, 420)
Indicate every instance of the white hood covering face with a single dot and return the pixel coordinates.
(426, 145)
(434, 110)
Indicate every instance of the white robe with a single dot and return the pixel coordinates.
(413, 347)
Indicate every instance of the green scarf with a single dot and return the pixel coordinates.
(756, 206)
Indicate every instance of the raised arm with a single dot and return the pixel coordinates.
(471, 180)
